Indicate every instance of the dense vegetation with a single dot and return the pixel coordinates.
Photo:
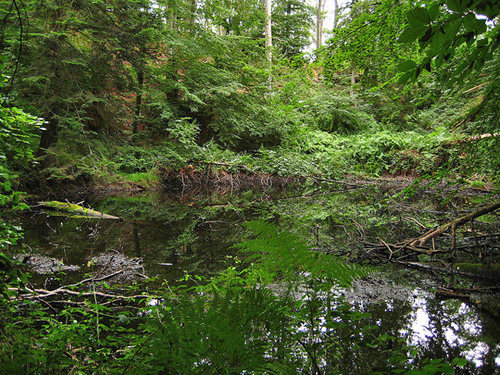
(124, 92)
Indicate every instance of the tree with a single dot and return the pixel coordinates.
(460, 41)
(93, 52)
(269, 33)
(375, 24)
(320, 17)
(444, 28)
(235, 17)
(292, 26)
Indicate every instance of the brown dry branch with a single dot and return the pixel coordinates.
(44, 295)
(471, 294)
(37, 293)
(345, 183)
(452, 226)
(207, 176)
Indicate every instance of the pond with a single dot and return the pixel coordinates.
(169, 234)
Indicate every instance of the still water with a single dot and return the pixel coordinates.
(166, 235)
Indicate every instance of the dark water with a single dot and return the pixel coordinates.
(171, 234)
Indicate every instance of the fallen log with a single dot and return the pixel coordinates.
(75, 210)
(452, 226)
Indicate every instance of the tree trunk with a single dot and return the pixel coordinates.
(50, 135)
(353, 81)
(336, 13)
(138, 100)
(269, 34)
(319, 23)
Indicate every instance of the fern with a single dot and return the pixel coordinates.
(276, 254)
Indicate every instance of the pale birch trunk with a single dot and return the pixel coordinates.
(268, 32)
(319, 23)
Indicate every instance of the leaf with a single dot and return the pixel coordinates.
(406, 77)
(407, 65)
(438, 62)
(434, 12)
(469, 22)
(460, 362)
(418, 17)
(412, 33)
(437, 42)
(454, 5)
(482, 42)
(428, 34)
(451, 28)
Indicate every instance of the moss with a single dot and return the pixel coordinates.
(75, 210)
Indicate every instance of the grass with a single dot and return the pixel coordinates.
(146, 179)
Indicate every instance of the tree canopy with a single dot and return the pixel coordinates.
(186, 96)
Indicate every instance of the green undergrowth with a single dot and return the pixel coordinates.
(375, 154)
(309, 153)
(273, 310)
(328, 134)
(146, 179)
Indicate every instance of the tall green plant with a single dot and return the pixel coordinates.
(18, 141)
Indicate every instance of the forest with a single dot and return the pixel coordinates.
(295, 107)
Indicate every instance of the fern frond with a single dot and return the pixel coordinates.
(280, 254)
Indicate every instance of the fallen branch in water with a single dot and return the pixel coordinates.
(453, 226)
(90, 279)
(74, 210)
(36, 293)
(43, 295)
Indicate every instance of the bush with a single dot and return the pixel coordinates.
(340, 114)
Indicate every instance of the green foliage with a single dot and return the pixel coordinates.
(133, 159)
(217, 84)
(231, 332)
(17, 143)
(318, 153)
(40, 342)
(18, 138)
(146, 179)
(276, 254)
(335, 113)
(293, 22)
(450, 33)
(239, 18)
(368, 23)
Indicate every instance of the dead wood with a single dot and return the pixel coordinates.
(398, 247)
(40, 294)
(54, 296)
(448, 293)
(452, 226)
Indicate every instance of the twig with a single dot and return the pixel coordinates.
(98, 279)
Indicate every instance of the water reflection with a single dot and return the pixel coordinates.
(193, 233)
(443, 329)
